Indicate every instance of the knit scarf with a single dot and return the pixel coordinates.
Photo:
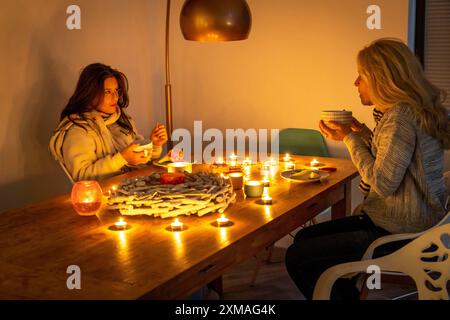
(96, 121)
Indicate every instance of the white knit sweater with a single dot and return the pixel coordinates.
(92, 151)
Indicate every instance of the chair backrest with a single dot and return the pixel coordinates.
(306, 142)
(430, 251)
(426, 260)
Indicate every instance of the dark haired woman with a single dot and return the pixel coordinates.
(96, 139)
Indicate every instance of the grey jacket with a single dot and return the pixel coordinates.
(404, 168)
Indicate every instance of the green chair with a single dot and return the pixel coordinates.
(305, 142)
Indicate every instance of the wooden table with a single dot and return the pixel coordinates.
(40, 241)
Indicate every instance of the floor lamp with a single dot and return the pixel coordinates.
(206, 21)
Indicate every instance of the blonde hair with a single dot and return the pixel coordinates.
(395, 76)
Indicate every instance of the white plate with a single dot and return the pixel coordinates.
(305, 177)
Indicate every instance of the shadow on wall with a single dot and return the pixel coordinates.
(40, 102)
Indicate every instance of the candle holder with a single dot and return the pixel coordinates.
(253, 189)
(266, 198)
(222, 222)
(120, 225)
(86, 197)
(237, 180)
(179, 167)
(289, 166)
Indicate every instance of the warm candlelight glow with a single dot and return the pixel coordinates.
(253, 189)
(266, 198)
(179, 167)
(247, 162)
(219, 160)
(266, 180)
(222, 220)
(289, 165)
(287, 157)
(86, 197)
(176, 225)
(237, 179)
(314, 163)
(247, 170)
(120, 225)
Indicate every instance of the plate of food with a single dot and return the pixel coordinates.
(302, 175)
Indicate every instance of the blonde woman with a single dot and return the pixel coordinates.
(401, 164)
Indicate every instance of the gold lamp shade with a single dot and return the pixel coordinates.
(215, 20)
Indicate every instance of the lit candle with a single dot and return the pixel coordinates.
(247, 162)
(266, 180)
(272, 162)
(176, 225)
(222, 220)
(287, 158)
(179, 167)
(266, 198)
(219, 160)
(247, 170)
(289, 165)
(253, 189)
(314, 163)
(120, 225)
(236, 180)
(87, 200)
(233, 160)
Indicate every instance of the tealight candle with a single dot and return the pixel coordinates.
(179, 167)
(233, 160)
(287, 158)
(176, 225)
(222, 220)
(247, 162)
(289, 165)
(120, 225)
(247, 170)
(236, 179)
(253, 189)
(314, 163)
(266, 180)
(272, 162)
(266, 198)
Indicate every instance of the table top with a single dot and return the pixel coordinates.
(41, 240)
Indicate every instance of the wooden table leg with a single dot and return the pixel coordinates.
(343, 207)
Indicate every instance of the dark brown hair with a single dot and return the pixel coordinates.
(89, 92)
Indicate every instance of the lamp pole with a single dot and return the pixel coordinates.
(168, 86)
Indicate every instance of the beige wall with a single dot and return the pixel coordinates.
(300, 59)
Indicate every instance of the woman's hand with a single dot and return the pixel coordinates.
(356, 125)
(159, 135)
(335, 131)
(135, 157)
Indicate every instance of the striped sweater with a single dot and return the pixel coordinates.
(404, 168)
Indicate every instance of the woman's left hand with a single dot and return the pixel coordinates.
(335, 131)
(159, 135)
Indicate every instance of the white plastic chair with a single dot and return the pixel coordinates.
(408, 260)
